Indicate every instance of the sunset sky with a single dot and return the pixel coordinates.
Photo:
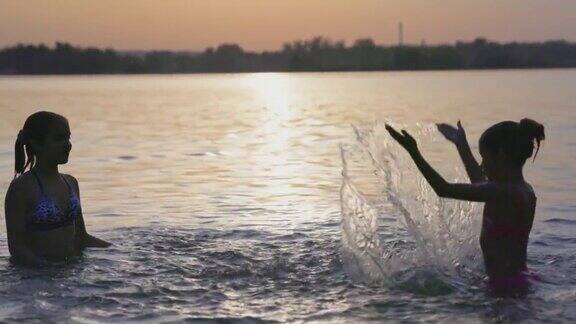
(267, 24)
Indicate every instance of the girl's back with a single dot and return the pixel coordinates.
(506, 226)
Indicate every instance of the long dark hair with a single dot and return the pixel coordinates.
(36, 127)
(515, 139)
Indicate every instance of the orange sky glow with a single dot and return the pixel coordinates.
(267, 24)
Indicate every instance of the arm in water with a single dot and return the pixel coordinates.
(84, 239)
(483, 192)
(458, 137)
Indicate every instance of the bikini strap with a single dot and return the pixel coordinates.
(38, 181)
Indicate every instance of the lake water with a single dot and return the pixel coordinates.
(277, 197)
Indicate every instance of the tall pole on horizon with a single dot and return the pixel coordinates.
(400, 34)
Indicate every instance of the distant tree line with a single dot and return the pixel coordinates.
(317, 54)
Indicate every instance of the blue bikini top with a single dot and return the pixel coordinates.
(48, 215)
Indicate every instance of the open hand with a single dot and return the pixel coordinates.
(406, 140)
(451, 133)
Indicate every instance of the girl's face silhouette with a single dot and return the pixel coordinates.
(56, 146)
(493, 165)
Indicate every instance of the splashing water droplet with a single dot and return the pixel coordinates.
(393, 225)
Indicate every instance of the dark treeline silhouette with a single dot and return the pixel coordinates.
(317, 54)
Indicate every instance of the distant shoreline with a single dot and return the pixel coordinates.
(297, 72)
(315, 55)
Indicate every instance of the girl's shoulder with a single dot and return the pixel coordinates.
(24, 180)
(69, 177)
(522, 193)
(509, 190)
(71, 181)
(24, 188)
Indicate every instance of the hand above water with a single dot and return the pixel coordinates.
(406, 140)
(453, 134)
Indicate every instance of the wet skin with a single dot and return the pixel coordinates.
(506, 223)
(509, 201)
(24, 194)
(60, 243)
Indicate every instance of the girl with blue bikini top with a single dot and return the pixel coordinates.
(48, 215)
(44, 218)
(509, 201)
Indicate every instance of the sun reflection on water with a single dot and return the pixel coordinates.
(276, 157)
(272, 89)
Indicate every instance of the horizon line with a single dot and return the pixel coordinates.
(334, 41)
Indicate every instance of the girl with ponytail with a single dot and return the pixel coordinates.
(43, 213)
(510, 201)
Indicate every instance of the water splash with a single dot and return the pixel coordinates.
(394, 227)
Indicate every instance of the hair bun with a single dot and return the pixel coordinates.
(533, 130)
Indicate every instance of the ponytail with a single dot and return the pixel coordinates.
(534, 132)
(515, 138)
(19, 154)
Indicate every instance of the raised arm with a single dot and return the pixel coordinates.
(482, 192)
(458, 137)
(15, 213)
(83, 239)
